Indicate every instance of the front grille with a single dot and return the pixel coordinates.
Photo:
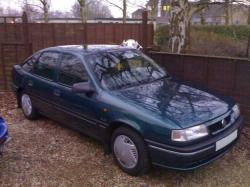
(220, 125)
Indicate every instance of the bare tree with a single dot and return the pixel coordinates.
(11, 11)
(123, 8)
(154, 7)
(181, 13)
(229, 11)
(98, 9)
(59, 14)
(248, 17)
(1, 8)
(202, 16)
(31, 11)
(83, 10)
(43, 5)
(93, 10)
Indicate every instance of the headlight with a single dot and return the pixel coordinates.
(189, 134)
(236, 112)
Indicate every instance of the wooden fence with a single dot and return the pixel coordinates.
(227, 76)
(19, 39)
(43, 35)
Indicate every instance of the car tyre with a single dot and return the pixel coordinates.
(130, 152)
(28, 109)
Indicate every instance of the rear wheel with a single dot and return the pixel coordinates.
(130, 152)
(27, 107)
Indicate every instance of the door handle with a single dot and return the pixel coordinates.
(30, 83)
(57, 93)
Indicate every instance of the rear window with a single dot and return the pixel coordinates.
(30, 63)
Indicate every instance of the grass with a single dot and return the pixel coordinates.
(43, 153)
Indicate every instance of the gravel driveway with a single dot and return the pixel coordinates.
(42, 153)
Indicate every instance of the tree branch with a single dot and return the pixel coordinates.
(133, 5)
(113, 4)
(35, 6)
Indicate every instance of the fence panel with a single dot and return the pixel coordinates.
(13, 53)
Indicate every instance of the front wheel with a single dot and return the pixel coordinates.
(27, 107)
(130, 152)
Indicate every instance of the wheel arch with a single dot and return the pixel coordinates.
(122, 123)
(18, 96)
(17, 90)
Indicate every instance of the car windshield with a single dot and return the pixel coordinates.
(119, 69)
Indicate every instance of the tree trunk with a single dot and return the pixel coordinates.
(83, 14)
(153, 12)
(124, 11)
(227, 12)
(187, 45)
(179, 26)
(248, 18)
(181, 13)
(231, 13)
(202, 18)
(83, 10)
(46, 14)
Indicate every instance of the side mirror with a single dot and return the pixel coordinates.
(83, 87)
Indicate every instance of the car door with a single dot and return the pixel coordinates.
(79, 111)
(42, 80)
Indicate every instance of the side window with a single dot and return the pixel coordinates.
(72, 70)
(46, 65)
(30, 63)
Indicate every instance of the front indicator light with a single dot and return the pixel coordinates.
(189, 134)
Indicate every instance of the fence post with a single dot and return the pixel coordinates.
(3, 67)
(28, 50)
(145, 30)
(248, 46)
(5, 29)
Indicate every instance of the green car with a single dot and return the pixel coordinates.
(119, 96)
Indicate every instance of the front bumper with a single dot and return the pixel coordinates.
(194, 156)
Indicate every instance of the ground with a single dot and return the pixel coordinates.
(43, 153)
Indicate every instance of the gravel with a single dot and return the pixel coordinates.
(43, 153)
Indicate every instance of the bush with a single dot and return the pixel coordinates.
(162, 36)
(209, 43)
(237, 32)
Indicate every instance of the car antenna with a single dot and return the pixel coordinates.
(85, 46)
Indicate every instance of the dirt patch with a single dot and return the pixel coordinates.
(42, 153)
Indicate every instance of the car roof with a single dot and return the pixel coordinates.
(85, 48)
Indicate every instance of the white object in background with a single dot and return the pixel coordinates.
(131, 44)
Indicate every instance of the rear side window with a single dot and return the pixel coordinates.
(72, 70)
(46, 65)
